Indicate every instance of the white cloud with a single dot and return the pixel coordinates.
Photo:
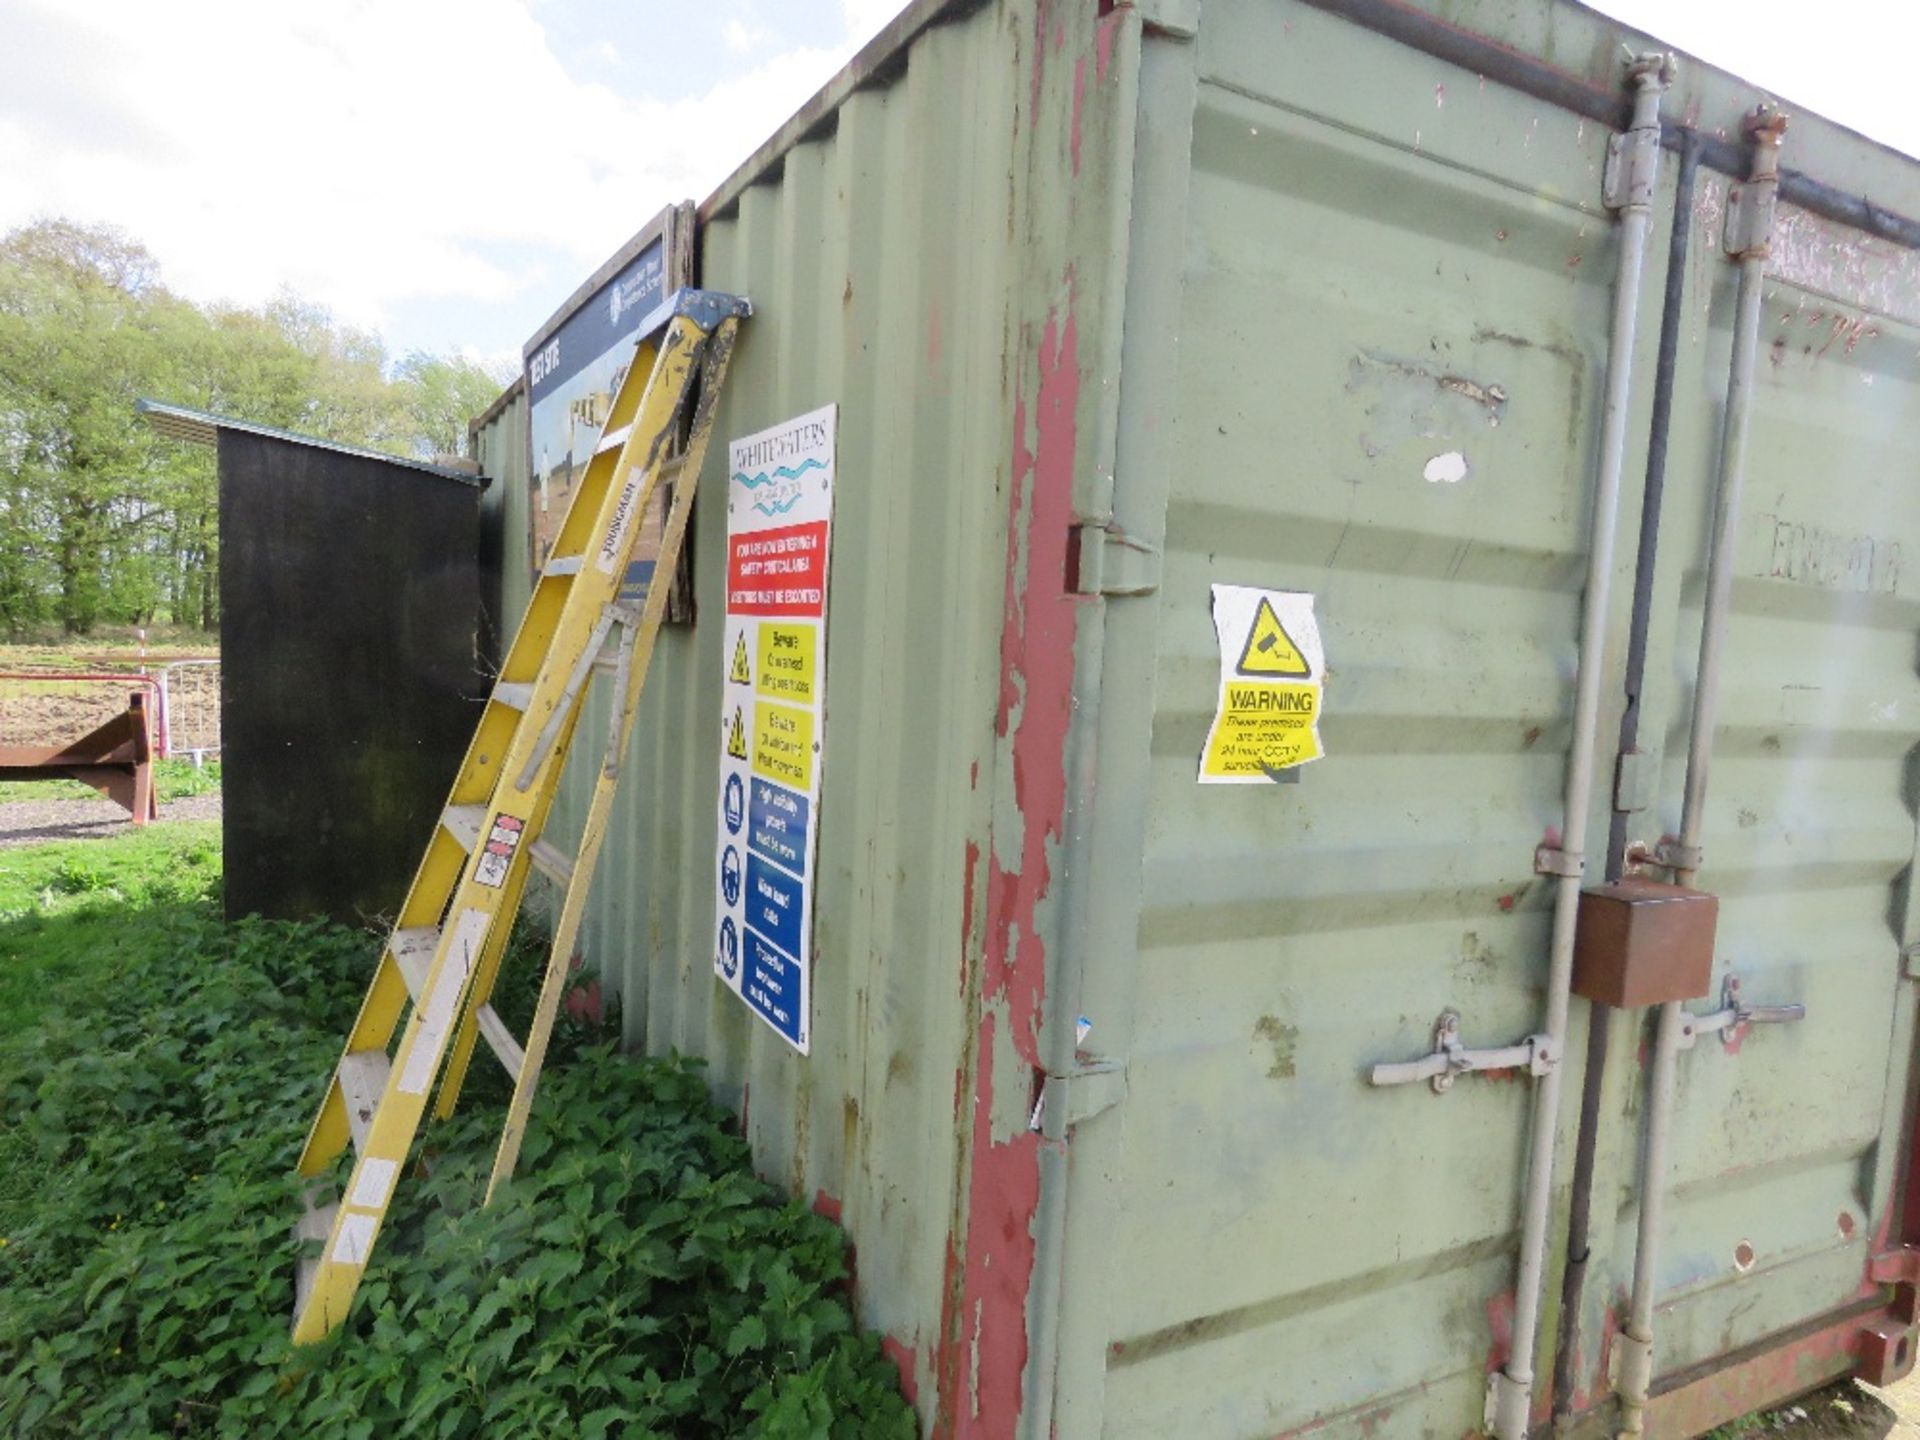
(741, 36)
(368, 154)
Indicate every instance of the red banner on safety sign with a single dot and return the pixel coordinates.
(778, 572)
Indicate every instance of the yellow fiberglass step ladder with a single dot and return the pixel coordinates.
(439, 966)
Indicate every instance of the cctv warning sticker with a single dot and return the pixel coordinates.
(1272, 673)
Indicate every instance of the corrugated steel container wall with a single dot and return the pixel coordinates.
(1141, 298)
(498, 443)
(876, 258)
(880, 255)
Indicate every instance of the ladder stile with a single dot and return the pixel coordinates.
(450, 936)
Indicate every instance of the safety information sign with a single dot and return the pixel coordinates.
(1272, 673)
(772, 716)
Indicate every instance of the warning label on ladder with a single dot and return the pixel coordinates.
(497, 855)
(1266, 719)
(779, 517)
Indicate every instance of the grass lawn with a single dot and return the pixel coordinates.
(75, 915)
(172, 780)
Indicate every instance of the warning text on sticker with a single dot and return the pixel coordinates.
(786, 661)
(1262, 728)
(783, 744)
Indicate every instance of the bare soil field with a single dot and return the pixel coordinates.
(37, 711)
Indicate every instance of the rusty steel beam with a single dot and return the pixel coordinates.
(115, 758)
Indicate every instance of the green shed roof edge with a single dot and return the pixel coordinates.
(202, 427)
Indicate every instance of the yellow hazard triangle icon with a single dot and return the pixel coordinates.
(740, 674)
(1270, 651)
(737, 737)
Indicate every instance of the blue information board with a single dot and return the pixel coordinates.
(774, 904)
(778, 821)
(771, 985)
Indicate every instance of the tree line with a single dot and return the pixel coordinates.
(105, 522)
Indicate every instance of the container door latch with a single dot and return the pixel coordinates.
(1451, 1058)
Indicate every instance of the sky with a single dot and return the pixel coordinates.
(445, 172)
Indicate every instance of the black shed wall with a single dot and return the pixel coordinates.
(350, 639)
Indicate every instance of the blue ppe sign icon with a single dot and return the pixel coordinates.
(736, 805)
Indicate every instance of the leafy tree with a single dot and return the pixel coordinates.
(439, 396)
(102, 520)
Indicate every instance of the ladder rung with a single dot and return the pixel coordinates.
(363, 1080)
(551, 861)
(613, 440)
(500, 1039)
(562, 565)
(315, 1223)
(510, 693)
(463, 823)
(413, 950)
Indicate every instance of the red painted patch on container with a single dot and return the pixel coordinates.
(1507, 902)
(984, 1343)
(1500, 1327)
(906, 1360)
(1754, 1384)
(1103, 40)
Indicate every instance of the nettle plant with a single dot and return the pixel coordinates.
(636, 1279)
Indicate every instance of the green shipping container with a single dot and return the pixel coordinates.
(1393, 305)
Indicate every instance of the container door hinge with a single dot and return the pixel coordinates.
(1633, 156)
(1749, 228)
(1095, 1087)
(1107, 561)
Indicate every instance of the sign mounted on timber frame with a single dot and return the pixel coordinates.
(574, 366)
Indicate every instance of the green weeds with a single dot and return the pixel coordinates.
(637, 1279)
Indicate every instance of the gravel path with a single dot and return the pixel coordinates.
(1904, 1399)
(34, 822)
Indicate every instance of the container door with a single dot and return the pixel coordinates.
(1787, 1136)
(1392, 326)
